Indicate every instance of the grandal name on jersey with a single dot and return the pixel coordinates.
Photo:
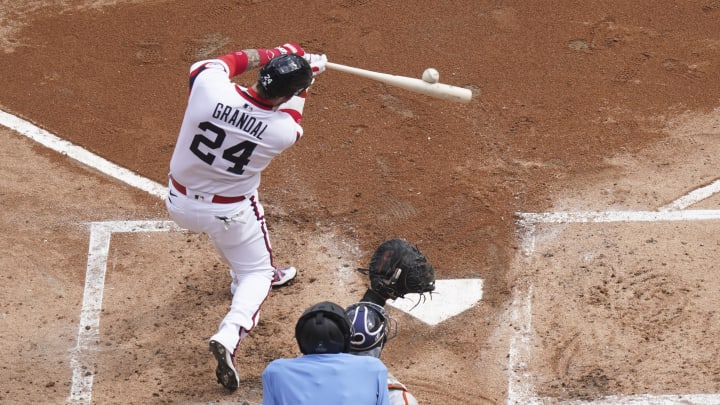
(240, 119)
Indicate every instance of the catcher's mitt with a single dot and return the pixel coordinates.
(398, 268)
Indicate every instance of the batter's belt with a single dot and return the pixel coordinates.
(217, 199)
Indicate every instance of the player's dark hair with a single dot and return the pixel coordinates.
(323, 328)
(283, 76)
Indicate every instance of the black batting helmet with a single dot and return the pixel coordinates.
(284, 75)
(322, 329)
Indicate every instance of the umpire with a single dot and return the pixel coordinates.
(326, 373)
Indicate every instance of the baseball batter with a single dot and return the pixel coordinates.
(229, 135)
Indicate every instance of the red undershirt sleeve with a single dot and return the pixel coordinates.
(238, 61)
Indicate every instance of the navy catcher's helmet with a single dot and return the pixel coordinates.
(323, 328)
(283, 76)
(372, 327)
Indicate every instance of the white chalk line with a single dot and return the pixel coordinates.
(520, 386)
(521, 321)
(527, 222)
(82, 357)
(525, 219)
(64, 147)
(693, 197)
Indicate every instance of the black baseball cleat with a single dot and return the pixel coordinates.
(226, 372)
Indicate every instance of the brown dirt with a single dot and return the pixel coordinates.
(606, 105)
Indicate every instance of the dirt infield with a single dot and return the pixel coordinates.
(607, 107)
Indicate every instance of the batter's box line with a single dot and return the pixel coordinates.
(521, 390)
(527, 222)
(693, 197)
(643, 399)
(82, 358)
(465, 293)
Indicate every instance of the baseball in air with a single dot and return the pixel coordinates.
(431, 75)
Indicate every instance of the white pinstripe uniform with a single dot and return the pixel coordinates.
(228, 137)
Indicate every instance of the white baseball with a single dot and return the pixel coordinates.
(431, 75)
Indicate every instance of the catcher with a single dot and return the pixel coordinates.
(372, 328)
(398, 268)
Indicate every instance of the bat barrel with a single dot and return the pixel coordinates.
(437, 90)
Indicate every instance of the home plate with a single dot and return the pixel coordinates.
(450, 298)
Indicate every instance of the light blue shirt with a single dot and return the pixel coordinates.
(326, 379)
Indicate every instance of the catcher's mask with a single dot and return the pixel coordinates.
(372, 327)
(323, 328)
(283, 76)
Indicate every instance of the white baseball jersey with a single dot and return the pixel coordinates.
(227, 136)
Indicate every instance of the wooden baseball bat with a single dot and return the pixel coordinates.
(437, 90)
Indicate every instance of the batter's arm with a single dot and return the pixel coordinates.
(245, 60)
(295, 107)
